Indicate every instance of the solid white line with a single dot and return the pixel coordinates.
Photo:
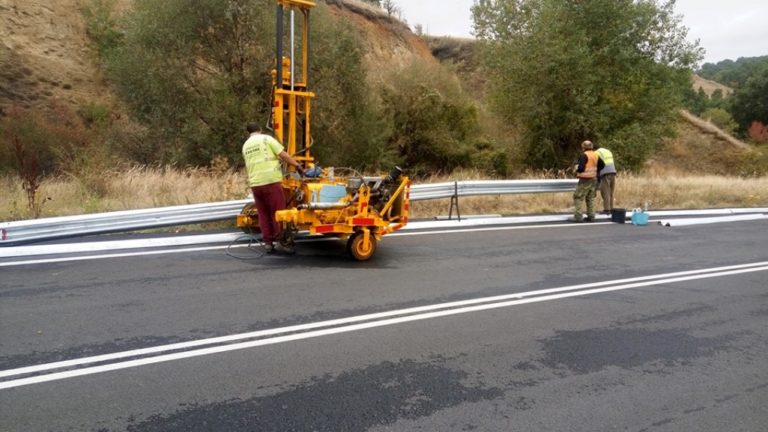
(32, 250)
(373, 324)
(312, 239)
(468, 221)
(466, 224)
(501, 228)
(116, 255)
(711, 220)
(19, 251)
(339, 321)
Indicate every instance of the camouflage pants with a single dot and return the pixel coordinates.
(584, 192)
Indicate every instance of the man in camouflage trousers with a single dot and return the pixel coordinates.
(586, 170)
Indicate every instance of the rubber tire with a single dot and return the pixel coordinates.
(251, 208)
(354, 247)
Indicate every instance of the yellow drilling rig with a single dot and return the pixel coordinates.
(356, 208)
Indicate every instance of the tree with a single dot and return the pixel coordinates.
(391, 7)
(613, 71)
(758, 132)
(720, 118)
(46, 141)
(28, 151)
(346, 123)
(695, 101)
(750, 102)
(194, 76)
(434, 124)
(733, 73)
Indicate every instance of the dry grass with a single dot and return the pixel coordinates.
(676, 192)
(709, 87)
(367, 10)
(134, 188)
(711, 129)
(156, 187)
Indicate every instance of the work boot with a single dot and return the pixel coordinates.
(589, 219)
(268, 248)
(282, 248)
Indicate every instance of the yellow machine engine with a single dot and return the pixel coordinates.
(355, 208)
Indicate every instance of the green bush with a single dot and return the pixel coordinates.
(102, 25)
(195, 76)
(347, 123)
(28, 151)
(720, 118)
(606, 70)
(433, 123)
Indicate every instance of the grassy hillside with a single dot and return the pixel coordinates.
(46, 56)
(702, 148)
(709, 86)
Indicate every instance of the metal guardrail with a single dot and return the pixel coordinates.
(488, 187)
(20, 232)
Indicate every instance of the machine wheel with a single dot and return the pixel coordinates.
(356, 248)
(250, 211)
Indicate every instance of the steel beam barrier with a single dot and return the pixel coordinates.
(27, 231)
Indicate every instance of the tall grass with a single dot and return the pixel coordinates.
(132, 188)
(147, 187)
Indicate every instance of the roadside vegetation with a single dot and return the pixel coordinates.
(148, 187)
(514, 103)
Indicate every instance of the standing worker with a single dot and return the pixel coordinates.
(586, 170)
(262, 155)
(606, 178)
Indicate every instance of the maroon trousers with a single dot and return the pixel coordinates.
(269, 199)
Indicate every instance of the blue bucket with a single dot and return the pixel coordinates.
(639, 217)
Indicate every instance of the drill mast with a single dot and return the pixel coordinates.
(291, 102)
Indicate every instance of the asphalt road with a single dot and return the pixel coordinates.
(624, 352)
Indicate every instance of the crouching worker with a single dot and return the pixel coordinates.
(262, 154)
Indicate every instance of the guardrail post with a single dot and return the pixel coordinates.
(455, 201)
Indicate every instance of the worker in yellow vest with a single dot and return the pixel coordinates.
(586, 170)
(262, 155)
(606, 178)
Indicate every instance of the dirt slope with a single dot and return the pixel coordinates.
(709, 87)
(388, 42)
(45, 54)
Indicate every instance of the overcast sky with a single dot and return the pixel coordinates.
(727, 29)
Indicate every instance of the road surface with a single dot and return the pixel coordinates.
(592, 327)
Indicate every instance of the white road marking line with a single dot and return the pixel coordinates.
(470, 221)
(115, 255)
(501, 228)
(368, 325)
(367, 317)
(112, 245)
(711, 220)
(210, 248)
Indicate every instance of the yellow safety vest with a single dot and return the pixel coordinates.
(261, 161)
(605, 155)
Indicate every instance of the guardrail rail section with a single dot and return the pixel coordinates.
(27, 231)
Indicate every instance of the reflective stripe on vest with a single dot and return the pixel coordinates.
(590, 168)
(605, 155)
